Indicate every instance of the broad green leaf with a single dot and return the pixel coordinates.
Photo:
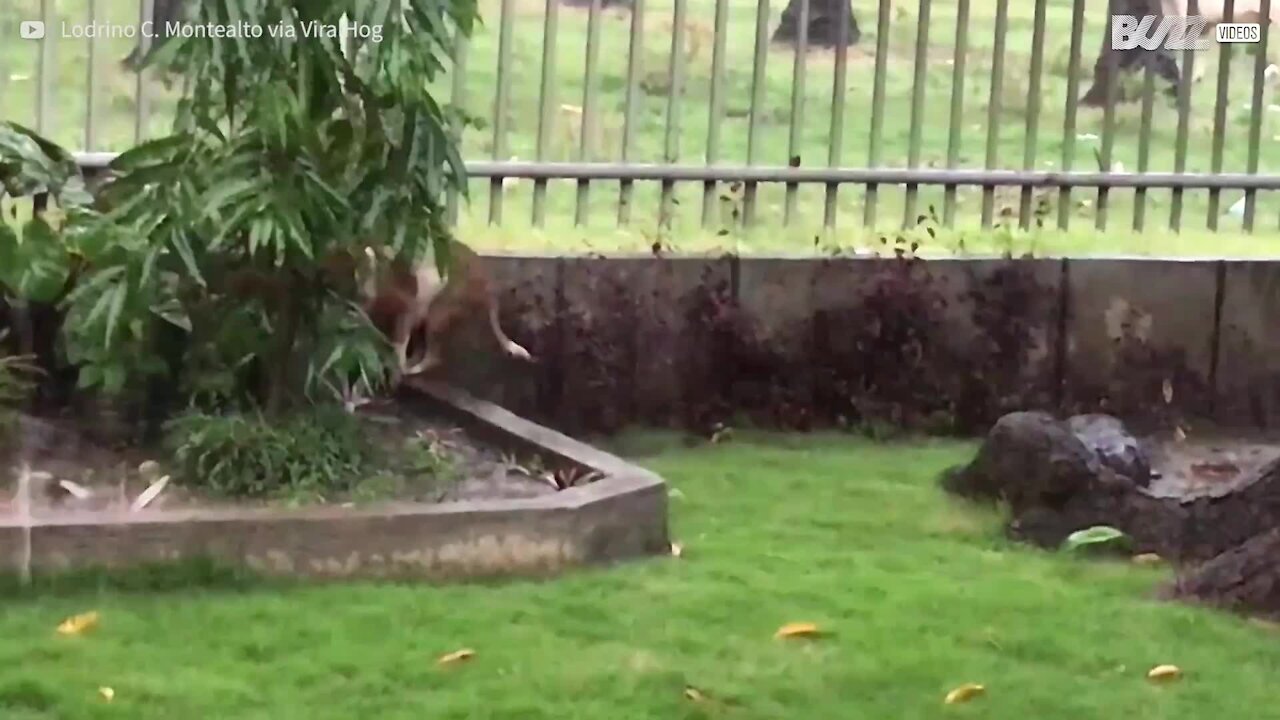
(1098, 536)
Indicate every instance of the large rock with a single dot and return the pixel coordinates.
(1245, 578)
(1113, 445)
(1029, 459)
(1056, 483)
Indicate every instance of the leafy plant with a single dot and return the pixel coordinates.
(319, 451)
(246, 226)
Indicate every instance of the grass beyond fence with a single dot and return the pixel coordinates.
(115, 108)
(919, 595)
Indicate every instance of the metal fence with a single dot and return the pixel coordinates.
(1013, 71)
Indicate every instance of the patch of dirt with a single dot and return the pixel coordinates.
(1207, 468)
(458, 467)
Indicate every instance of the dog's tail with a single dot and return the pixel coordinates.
(509, 346)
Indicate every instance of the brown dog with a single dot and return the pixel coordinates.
(401, 300)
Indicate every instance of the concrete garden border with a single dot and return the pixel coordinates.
(621, 515)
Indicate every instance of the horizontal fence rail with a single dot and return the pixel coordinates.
(662, 82)
(627, 172)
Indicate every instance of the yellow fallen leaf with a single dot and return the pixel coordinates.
(107, 693)
(1165, 672)
(456, 656)
(1147, 559)
(677, 549)
(964, 693)
(798, 629)
(694, 694)
(78, 624)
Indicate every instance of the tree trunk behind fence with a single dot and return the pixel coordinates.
(824, 24)
(1112, 66)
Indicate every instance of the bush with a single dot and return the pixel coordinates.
(319, 451)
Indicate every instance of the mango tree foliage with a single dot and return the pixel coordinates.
(290, 153)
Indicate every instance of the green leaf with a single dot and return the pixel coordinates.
(118, 295)
(171, 311)
(180, 244)
(1096, 537)
(89, 375)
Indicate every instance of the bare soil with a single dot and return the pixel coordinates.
(1207, 467)
(67, 448)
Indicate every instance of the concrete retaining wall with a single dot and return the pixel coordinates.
(1095, 334)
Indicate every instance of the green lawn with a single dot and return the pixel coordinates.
(921, 595)
(115, 108)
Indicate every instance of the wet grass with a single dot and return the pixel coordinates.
(919, 595)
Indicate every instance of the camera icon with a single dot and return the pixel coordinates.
(31, 30)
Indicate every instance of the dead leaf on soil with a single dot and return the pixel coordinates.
(150, 494)
(964, 693)
(107, 693)
(1168, 391)
(694, 694)
(1217, 471)
(798, 629)
(1179, 434)
(456, 656)
(1147, 559)
(79, 624)
(75, 490)
(1164, 673)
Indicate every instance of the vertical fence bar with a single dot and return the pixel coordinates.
(1256, 110)
(675, 87)
(835, 149)
(993, 107)
(1220, 116)
(458, 98)
(1111, 94)
(918, 81)
(1144, 147)
(586, 149)
(956, 125)
(1184, 124)
(501, 102)
(877, 109)
(1069, 112)
(44, 69)
(91, 84)
(715, 110)
(143, 99)
(635, 53)
(1032, 139)
(795, 138)
(759, 59)
(546, 105)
